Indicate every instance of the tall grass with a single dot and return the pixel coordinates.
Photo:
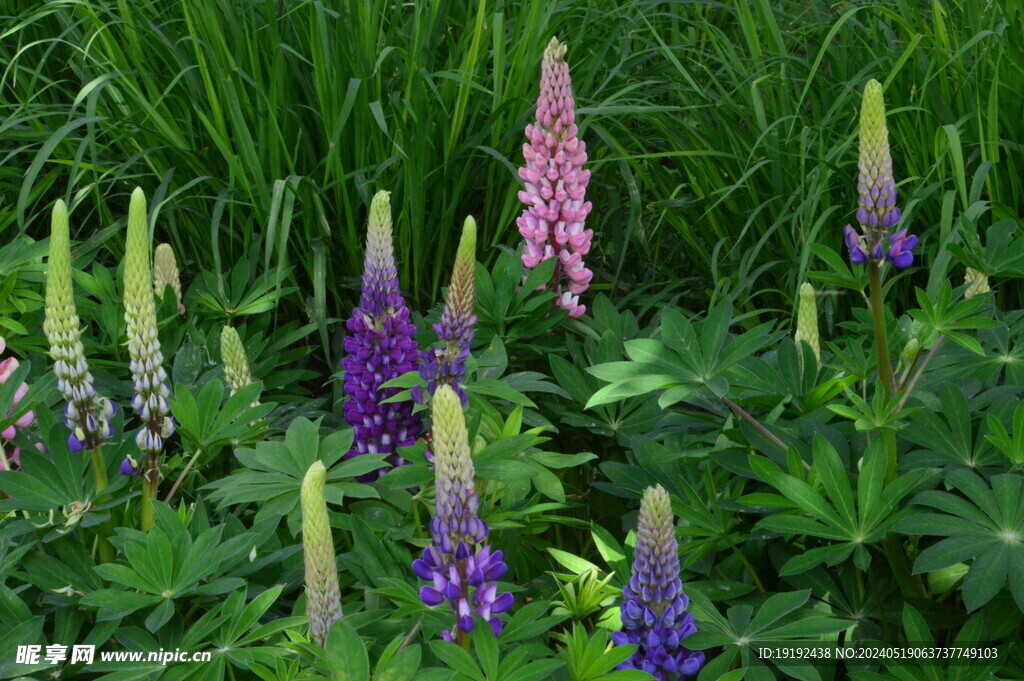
(722, 134)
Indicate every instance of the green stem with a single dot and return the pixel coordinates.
(184, 472)
(99, 470)
(150, 482)
(885, 374)
(881, 339)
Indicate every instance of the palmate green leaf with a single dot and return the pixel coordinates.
(51, 481)
(779, 618)
(946, 434)
(589, 657)
(839, 515)
(986, 527)
(688, 356)
(166, 564)
(949, 318)
(274, 469)
(208, 421)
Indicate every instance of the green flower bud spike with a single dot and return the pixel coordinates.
(977, 283)
(165, 273)
(323, 596)
(151, 392)
(807, 319)
(236, 365)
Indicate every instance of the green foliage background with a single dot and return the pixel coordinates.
(720, 134)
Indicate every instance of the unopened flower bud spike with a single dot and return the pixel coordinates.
(148, 374)
(323, 596)
(165, 273)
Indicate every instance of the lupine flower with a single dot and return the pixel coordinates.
(877, 211)
(379, 347)
(236, 364)
(130, 467)
(150, 400)
(552, 224)
(323, 597)
(976, 283)
(86, 413)
(12, 457)
(165, 273)
(460, 568)
(447, 363)
(654, 616)
(807, 319)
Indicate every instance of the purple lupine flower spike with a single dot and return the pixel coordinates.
(460, 568)
(877, 211)
(654, 615)
(380, 347)
(447, 363)
(552, 224)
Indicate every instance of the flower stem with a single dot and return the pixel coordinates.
(99, 469)
(884, 364)
(878, 316)
(184, 472)
(150, 481)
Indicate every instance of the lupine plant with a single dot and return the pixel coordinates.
(807, 319)
(555, 185)
(380, 346)
(447, 364)
(654, 606)
(86, 413)
(323, 599)
(236, 364)
(877, 214)
(148, 373)
(461, 568)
